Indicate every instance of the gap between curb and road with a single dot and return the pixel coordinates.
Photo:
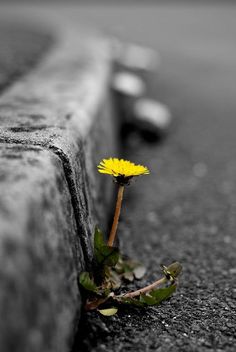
(57, 122)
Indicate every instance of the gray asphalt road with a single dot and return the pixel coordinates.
(185, 210)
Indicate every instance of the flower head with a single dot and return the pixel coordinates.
(122, 170)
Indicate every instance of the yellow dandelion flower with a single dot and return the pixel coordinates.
(122, 170)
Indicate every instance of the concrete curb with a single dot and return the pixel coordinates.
(56, 124)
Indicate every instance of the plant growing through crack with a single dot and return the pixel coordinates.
(122, 171)
(111, 268)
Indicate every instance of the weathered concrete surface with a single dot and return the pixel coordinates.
(64, 106)
(40, 253)
(56, 123)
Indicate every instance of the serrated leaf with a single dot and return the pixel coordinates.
(139, 272)
(108, 312)
(87, 282)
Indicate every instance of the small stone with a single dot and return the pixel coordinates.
(152, 117)
(128, 84)
(139, 272)
(129, 276)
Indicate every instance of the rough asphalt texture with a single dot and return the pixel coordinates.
(186, 209)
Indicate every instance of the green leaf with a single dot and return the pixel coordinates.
(98, 244)
(108, 312)
(149, 300)
(109, 255)
(162, 294)
(154, 297)
(104, 254)
(87, 282)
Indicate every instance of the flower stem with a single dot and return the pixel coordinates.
(145, 289)
(116, 216)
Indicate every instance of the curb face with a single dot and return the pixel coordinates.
(38, 271)
(56, 125)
